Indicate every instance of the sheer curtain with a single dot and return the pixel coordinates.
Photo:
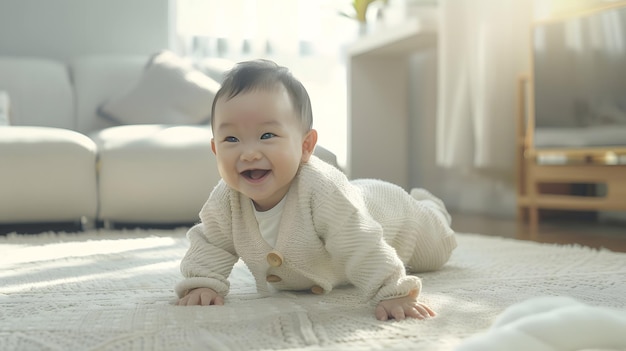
(309, 37)
(483, 47)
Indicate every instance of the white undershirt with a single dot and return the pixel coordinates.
(269, 222)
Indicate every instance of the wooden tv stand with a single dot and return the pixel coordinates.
(547, 176)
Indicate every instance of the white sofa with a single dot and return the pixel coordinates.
(64, 159)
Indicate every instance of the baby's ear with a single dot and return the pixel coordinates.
(308, 144)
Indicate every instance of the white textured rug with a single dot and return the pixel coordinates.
(113, 291)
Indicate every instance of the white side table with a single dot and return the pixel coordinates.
(378, 121)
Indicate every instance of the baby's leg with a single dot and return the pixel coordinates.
(435, 240)
(431, 252)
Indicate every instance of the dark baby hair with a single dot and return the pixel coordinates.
(265, 74)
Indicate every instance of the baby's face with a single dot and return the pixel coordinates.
(258, 141)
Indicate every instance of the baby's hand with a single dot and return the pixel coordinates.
(402, 307)
(201, 296)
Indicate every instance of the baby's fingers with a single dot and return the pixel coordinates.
(188, 300)
(381, 313)
(425, 310)
(419, 311)
(218, 300)
(416, 312)
(398, 313)
(210, 298)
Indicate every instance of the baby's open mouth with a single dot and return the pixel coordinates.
(255, 174)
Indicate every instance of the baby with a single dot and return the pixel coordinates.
(297, 222)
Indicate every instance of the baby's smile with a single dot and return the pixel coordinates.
(255, 174)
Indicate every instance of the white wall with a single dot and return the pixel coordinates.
(62, 29)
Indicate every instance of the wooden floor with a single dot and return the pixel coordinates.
(561, 230)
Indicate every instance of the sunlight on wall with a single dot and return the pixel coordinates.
(546, 9)
(309, 37)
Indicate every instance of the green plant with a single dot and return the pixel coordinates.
(360, 9)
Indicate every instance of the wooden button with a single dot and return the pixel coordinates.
(317, 290)
(275, 259)
(273, 278)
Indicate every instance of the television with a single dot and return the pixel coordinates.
(579, 79)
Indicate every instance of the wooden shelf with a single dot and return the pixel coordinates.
(571, 202)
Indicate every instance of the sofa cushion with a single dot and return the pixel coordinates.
(48, 175)
(40, 92)
(170, 91)
(154, 173)
(158, 173)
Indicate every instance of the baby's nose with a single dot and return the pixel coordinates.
(250, 154)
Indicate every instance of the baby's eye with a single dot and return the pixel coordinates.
(267, 135)
(231, 139)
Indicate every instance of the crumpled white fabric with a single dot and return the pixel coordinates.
(551, 324)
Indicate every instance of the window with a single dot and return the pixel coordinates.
(309, 37)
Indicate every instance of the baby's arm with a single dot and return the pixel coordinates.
(206, 264)
(201, 296)
(402, 307)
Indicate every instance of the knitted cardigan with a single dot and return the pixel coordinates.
(332, 232)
